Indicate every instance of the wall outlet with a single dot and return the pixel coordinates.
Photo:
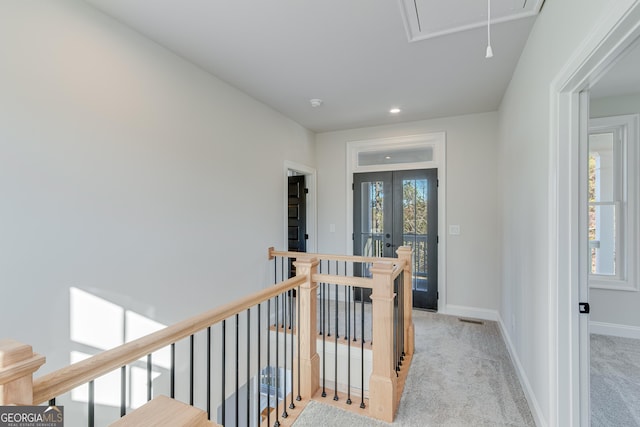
(454, 230)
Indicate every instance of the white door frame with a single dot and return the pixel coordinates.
(568, 330)
(438, 141)
(310, 182)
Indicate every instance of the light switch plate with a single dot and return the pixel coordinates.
(454, 230)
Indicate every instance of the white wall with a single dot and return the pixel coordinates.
(129, 173)
(471, 181)
(610, 307)
(524, 185)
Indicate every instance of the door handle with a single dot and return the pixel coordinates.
(388, 245)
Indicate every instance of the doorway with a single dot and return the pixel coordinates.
(569, 249)
(399, 208)
(296, 217)
(299, 203)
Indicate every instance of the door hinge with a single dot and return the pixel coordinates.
(306, 191)
(584, 308)
(437, 239)
(437, 183)
(353, 237)
(306, 237)
(353, 186)
(437, 295)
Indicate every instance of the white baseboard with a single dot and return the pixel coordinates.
(472, 312)
(522, 376)
(614, 329)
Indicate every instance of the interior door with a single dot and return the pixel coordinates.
(416, 224)
(296, 217)
(392, 209)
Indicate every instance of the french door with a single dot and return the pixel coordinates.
(400, 208)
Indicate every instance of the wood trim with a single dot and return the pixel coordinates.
(20, 369)
(361, 282)
(333, 257)
(70, 377)
(163, 411)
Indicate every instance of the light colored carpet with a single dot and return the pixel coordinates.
(461, 375)
(615, 381)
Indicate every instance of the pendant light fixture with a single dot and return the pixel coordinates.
(489, 49)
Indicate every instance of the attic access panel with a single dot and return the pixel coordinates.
(424, 19)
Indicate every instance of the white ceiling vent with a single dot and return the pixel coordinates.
(425, 19)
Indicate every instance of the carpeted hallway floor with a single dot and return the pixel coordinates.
(615, 381)
(461, 375)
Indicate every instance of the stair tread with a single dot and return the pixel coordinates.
(163, 411)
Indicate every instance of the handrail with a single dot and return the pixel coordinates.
(360, 282)
(66, 379)
(349, 258)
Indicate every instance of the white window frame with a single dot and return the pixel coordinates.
(627, 167)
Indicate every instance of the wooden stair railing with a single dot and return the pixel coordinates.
(18, 362)
(384, 390)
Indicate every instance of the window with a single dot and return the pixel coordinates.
(612, 197)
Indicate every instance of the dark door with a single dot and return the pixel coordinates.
(400, 208)
(297, 217)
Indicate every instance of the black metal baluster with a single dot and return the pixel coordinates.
(335, 364)
(91, 404)
(282, 279)
(327, 303)
(224, 372)
(209, 373)
(402, 318)
(337, 322)
(268, 364)
(321, 304)
(248, 365)
(346, 318)
(348, 323)
(237, 367)
(291, 331)
(52, 402)
(395, 331)
(275, 281)
(355, 334)
(362, 405)
(258, 371)
(277, 423)
(324, 353)
(298, 397)
(173, 371)
(123, 391)
(149, 383)
(191, 370)
(284, 353)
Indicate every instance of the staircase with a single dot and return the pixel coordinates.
(163, 411)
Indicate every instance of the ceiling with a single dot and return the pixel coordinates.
(355, 55)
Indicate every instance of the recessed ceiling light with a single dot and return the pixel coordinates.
(394, 110)
(316, 102)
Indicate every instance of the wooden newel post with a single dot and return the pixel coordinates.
(308, 328)
(18, 362)
(405, 254)
(383, 381)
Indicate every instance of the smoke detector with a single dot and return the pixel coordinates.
(315, 102)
